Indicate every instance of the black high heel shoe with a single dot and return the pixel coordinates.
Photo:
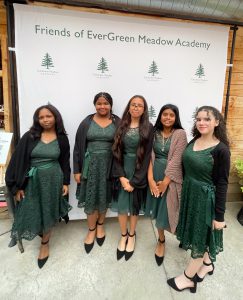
(128, 254)
(89, 247)
(121, 253)
(101, 240)
(171, 283)
(199, 279)
(42, 261)
(159, 259)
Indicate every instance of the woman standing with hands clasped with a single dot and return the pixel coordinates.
(131, 150)
(92, 161)
(206, 162)
(165, 174)
(38, 175)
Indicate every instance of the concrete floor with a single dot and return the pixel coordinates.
(72, 274)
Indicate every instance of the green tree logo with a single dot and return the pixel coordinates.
(102, 66)
(200, 71)
(47, 61)
(153, 69)
(151, 112)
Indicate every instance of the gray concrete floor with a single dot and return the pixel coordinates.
(72, 274)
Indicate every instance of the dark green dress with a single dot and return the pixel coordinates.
(157, 207)
(124, 203)
(94, 192)
(43, 203)
(194, 229)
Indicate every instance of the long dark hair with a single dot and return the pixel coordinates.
(36, 129)
(220, 131)
(124, 127)
(177, 125)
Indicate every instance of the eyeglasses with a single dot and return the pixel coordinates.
(137, 105)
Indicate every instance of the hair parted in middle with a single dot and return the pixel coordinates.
(144, 126)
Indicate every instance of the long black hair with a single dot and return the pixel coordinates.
(36, 129)
(220, 131)
(177, 125)
(144, 126)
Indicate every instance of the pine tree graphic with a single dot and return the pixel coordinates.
(47, 61)
(153, 68)
(200, 71)
(151, 112)
(102, 66)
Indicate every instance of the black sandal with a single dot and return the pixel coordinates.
(193, 289)
(199, 279)
(120, 253)
(101, 240)
(42, 261)
(89, 247)
(128, 254)
(159, 259)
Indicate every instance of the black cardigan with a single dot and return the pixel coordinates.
(20, 162)
(220, 175)
(81, 141)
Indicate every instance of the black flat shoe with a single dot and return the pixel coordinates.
(101, 240)
(119, 253)
(89, 247)
(42, 261)
(199, 279)
(128, 254)
(159, 259)
(171, 283)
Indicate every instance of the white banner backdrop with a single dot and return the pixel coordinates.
(65, 57)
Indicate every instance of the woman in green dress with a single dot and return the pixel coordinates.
(206, 162)
(92, 161)
(38, 176)
(131, 150)
(165, 174)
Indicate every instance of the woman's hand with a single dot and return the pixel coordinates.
(77, 177)
(126, 185)
(153, 188)
(162, 186)
(19, 195)
(65, 190)
(218, 225)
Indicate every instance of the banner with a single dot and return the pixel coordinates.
(65, 57)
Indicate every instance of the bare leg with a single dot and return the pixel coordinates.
(131, 240)
(44, 249)
(92, 219)
(123, 226)
(205, 269)
(160, 248)
(100, 228)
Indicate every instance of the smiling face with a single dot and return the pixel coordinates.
(136, 108)
(46, 119)
(103, 107)
(168, 118)
(206, 122)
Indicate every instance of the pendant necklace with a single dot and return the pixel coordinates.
(164, 142)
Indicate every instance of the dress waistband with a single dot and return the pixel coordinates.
(32, 171)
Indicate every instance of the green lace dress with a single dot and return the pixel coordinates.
(124, 202)
(95, 190)
(43, 203)
(157, 207)
(197, 211)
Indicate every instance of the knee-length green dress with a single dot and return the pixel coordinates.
(157, 207)
(124, 203)
(95, 189)
(197, 208)
(43, 203)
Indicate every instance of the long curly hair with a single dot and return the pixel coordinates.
(177, 125)
(36, 129)
(144, 125)
(220, 131)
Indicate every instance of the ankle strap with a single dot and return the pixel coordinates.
(206, 264)
(44, 243)
(92, 229)
(162, 242)
(191, 278)
(131, 235)
(99, 223)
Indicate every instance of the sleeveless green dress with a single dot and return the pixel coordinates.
(124, 203)
(95, 189)
(43, 203)
(197, 210)
(157, 207)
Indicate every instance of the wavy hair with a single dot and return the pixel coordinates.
(177, 125)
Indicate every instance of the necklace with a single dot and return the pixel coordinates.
(165, 140)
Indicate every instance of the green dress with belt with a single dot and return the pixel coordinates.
(43, 203)
(157, 207)
(95, 190)
(197, 210)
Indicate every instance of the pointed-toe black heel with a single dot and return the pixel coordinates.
(199, 279)
(42, 261)
(89, 247)
(121, 253)
(101, 240)
(128, 254)
(172, 284)
(159, 259)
